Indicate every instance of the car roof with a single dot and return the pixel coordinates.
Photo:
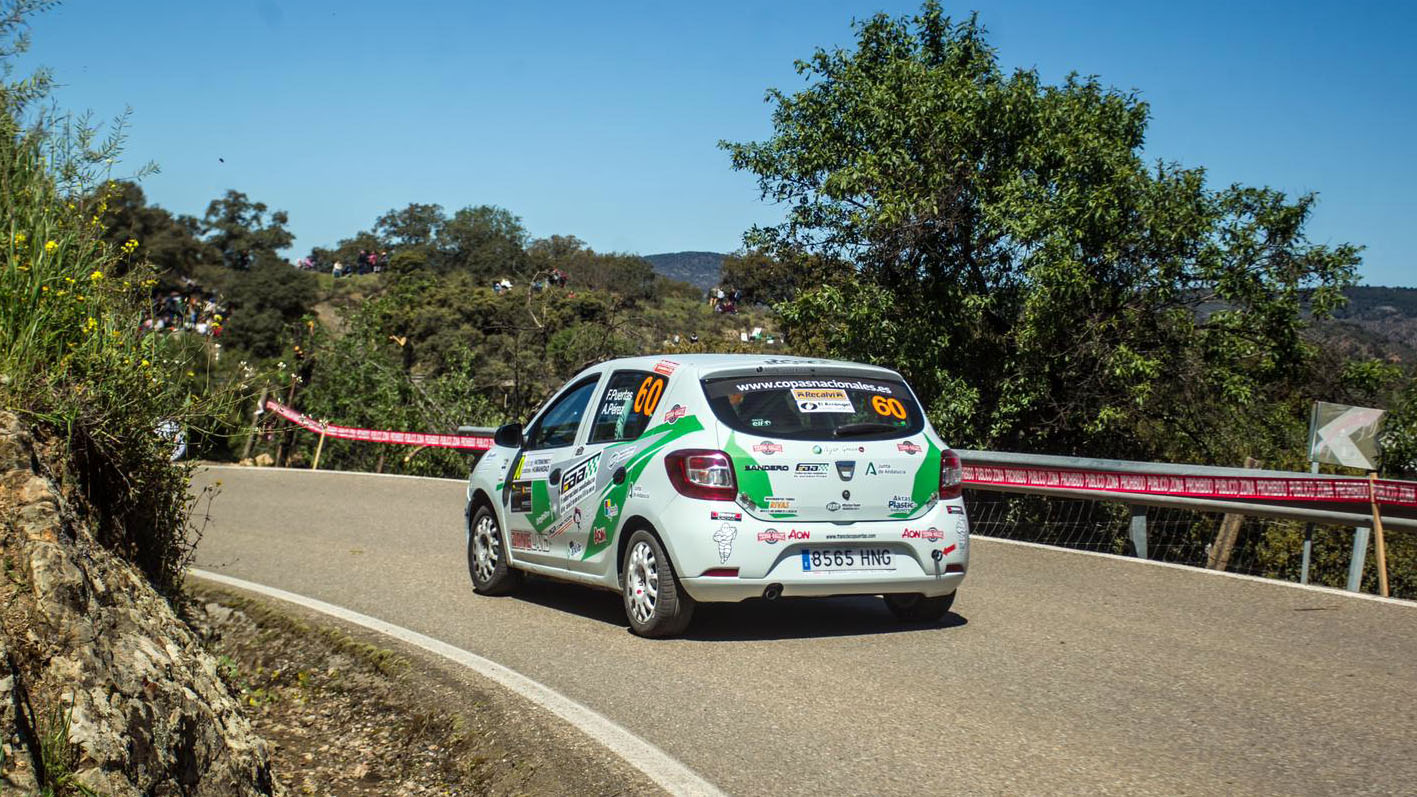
(707, 364)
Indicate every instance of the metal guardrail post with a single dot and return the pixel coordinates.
(1138, 530)
(1308, 551)
(1360, 553)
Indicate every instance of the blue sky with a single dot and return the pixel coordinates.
(601, 119)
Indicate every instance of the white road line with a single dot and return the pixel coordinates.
(272, 469)
(1340, 593)
(656, 764)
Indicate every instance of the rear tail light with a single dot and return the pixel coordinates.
(951, 475)
(700, 473)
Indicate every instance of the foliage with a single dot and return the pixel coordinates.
(170, 243)
(75, 363)
(269, 303)
(240, 230)
(1077, 299)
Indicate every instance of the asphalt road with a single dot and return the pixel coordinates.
(1056, 673)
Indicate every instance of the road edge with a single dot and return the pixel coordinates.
(661, 768)
(1278, 582)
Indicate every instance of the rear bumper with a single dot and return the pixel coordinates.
(709, 589)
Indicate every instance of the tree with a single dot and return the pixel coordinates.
(267, 301)
(765, 279)
(486, 241)
(240, 230)
(169, 243)
(1040, 284)
(415, 225)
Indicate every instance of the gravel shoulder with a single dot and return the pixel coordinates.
(350, 712)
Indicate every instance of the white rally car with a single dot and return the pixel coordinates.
(719, 477)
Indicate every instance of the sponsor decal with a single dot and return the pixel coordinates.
(543, 517)
(833, 506)
(756, 467)
(619, 456)
(579, 481)
(816, 449)
(598, 536)
(909, 447)
(637, 491)
(780, 505)
(560, 528)
(767, 447)
(574, 548)
(666, 367)
(675, 413)
(533, 466)
(733, 516)
(872, 469)
(519, 498)
(955, 510)
(832, 399)
(576, 516)
(812, 470)
(900, 503)
(526, 541)
(771, 536)
(846, 469)
(851, 536)
(724, 537)
(930, 534)
(795, 534)
(948, 549)
(813, 384)
(609, 509)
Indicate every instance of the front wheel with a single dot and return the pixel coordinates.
(654, 601)
(487, 561)
(916, 608)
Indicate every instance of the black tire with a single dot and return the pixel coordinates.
(912, 607)
(655, 603)
(492, 573)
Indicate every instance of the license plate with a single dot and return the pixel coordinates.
(832, 560)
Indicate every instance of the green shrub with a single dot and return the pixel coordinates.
(73, 358)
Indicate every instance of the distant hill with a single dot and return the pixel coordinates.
(700, 269)
(1377, 322)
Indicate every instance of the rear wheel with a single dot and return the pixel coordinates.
(912, 607)
(487, 561)
(655, 603)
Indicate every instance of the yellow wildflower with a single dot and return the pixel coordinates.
(19, 237)
(90, 325)
(50, 246)
(130, 245)
(96, 275)
(146, 363)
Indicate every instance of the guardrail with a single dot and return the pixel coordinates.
(1316, 499)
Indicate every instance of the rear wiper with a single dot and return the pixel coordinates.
(869, 427)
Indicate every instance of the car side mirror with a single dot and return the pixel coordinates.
(508, 435)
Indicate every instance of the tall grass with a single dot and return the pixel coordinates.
(73, 359)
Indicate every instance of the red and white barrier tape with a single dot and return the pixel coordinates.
(467, 443)
(1331, 489)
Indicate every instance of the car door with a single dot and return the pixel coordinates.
(626, 404)
(533, 488)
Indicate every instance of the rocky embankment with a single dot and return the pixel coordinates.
(102, 688)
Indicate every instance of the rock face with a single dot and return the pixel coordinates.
(101, 685)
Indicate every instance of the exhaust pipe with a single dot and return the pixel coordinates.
(773, 592)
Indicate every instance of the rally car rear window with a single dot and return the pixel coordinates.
(819, 407)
